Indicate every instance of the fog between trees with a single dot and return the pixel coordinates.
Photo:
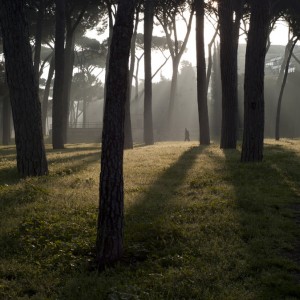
(168, 107)
(87, 96)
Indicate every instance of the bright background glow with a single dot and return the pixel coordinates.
(279, 36)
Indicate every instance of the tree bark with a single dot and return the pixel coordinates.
(58, 89)
(109, 244)
(290, 50)
(252, 149)
(128, 140)
(229, 37)
(110, 27)
(26, 108)
(6, 124)
(46, 94)
(148, 28)
(204, 137)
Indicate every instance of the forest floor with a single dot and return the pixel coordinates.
(198, 225)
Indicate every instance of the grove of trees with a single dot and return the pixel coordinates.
(48, 37)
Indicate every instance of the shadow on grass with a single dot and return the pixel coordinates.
(11, 195)
(77, 157)
(264, 197)
(9, 175)
(7, 150)
(73, 163)
(140, 145)
(148, 234)
(74, 148)
(146, 219)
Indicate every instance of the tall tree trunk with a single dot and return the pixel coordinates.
(148, 28)
(176, 54)
(136, 77)
(216, 92)
(68, 65)
(230, 13)
(6, 118)
(172, 99)
(58, 89)
(252, 149)
(201, 75)
(128, 140)
(110, 27)
(109, 244)
(290, 50)
(68, 74)
(210, 58)
(283, 65)
(26, 107)
(84, 115)
(38, 39)
(46, 94)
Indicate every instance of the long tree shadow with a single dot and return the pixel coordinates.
(74, 157)
(264, 198)
(7, 150)
(71, 163)
(145, 219)
(75, 148)
(10, 150)
(12, 195)
(8, 153)
(21, 204)
(161, 192)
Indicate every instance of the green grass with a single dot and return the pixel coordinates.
(199, 225)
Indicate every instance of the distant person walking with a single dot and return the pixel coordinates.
(186, 135)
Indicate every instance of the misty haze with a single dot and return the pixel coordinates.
(149, 149)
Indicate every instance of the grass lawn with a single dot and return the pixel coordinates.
(199, 225)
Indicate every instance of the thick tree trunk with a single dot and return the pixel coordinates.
(58, 89)
(289, 52)
(201, 75)
(46, 94)
(229, 36)
(26, 108)
(38, 39)
(252, 149)
(109, 245)
(128, 140)
(6, 121)
(148, 28)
